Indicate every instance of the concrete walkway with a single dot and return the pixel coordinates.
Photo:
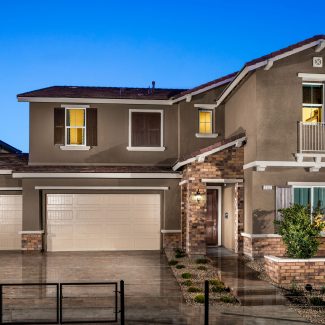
(152, 293)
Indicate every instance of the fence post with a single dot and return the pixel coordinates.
(206, 302)
(122, 302)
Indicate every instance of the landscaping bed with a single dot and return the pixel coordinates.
(191, 275)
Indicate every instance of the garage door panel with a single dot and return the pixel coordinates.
(10, 222)
(60, 200)
(104, 222)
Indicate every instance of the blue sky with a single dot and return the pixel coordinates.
(130, 43)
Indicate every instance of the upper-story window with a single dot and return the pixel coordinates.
(206, 122)
(312, 107)
(75, 126)
(145, 130)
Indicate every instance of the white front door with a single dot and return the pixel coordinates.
(85, 222)
(11, 215)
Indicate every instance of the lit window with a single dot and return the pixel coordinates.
(312, 103)
(205, 121)
(75, 126)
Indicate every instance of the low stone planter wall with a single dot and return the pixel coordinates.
(172, 239)
(259, 245)
(284, 271)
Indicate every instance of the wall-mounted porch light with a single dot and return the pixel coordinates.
(198, 196)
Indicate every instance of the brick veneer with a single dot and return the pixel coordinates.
(257, 247)
(172, 240)
(284, 271)
(31, 242)
(226, 164)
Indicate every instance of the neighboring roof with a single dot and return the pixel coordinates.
(208, 85)
(207, 151)
(267, 60)
(11, 161)
(103, 92)
(8, 147)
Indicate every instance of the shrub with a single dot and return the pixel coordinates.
(299, 234)
(179, 253)
(201, 261)
(180, 266)
(218, 289)
(202, 268)
(199, 299)
(187, 283)
(322, 290)
(172, 262)
(216, 282)
(186, 275)
(228, 299)
(194, 289)
(316, 301)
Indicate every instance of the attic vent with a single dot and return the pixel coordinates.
(317, 62)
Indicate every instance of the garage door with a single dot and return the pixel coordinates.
(10, 222)
(84, 222)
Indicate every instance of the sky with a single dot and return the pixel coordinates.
(177, 43)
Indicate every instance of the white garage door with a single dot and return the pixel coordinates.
(85, 222)
(11, 215)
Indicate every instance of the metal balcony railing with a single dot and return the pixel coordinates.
(311, 137)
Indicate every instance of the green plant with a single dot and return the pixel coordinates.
(201, 261)
(187, 283)
(199, 299)
(186, 275)
(298, 232)
(218, 289)
(202, 268)
(179, 253)
(172, 262)
(228, 299)
(180, 266)
(322, 290)
(194, 289)
(316, 301)
(216, 282)
(294, 289)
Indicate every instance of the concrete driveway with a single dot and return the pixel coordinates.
(152, 293)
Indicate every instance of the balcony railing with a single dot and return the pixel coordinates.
(311, 137)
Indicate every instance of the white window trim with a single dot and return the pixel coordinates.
(161, 147)
(74, 146)
(212, 113)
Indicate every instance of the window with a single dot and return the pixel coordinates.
(146, 130)
(312, 106)
(314, 197)
(75, 124)
(205, 121)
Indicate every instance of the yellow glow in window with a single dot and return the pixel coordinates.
(205, 122)
(311, 114)
(75, 126)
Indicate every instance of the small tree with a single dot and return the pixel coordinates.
(299, 231)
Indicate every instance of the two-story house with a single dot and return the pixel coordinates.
(145, 169)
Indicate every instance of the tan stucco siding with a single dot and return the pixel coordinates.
(227, 232)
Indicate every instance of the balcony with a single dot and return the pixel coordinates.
(311, 137)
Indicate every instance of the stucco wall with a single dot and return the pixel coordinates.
(227, 237)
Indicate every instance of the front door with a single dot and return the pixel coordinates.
(211, 222)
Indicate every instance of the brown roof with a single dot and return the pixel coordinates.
(209, 148)
(103, 92)
(285, 49)
(13, 160)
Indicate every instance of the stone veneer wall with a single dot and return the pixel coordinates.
(172, 240)
(257, 247)
(31, 242)
(284, 271)
(226, 164)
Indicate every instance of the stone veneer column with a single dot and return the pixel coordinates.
(196, 215)
(32, 240)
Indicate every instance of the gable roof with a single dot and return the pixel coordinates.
(102, 92)
(267, 60)
(7, 147)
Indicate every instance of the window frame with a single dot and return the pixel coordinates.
(307, 105)
(144, 148)
(68, 146)
(206, 135)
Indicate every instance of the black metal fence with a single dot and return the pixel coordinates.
(62, 303)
